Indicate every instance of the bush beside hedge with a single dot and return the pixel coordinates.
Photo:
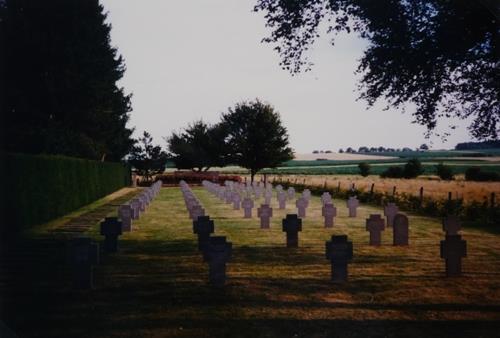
(38, 188)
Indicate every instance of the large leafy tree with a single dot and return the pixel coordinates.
(147, 159)
(256, 136)
(442, 56)
(199, 147)
(59, 73)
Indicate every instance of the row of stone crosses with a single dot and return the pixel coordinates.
(338, 249)
(83, 253)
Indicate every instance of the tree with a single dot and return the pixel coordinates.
(61, 95)
(256, 136)
(413, 168)
(199, 147)
(147, 159)
(440, 56)
(444, 172)
(341, 151)
(364, 169)
(424, 146)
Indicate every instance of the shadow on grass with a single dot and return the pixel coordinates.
(162, 285)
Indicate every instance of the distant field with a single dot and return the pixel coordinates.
(376, 169)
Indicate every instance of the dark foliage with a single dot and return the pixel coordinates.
(199, 147)
(364, 169)
(60, 75)
(147, 159)
(411, 169)
(393, 172)
(256, 136)
(477, 145)
(477, 174)
(42, 187)
(444, 172)
(440, 56)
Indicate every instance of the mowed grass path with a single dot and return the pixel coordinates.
(156, 286)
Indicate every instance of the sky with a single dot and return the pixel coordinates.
(191, 60)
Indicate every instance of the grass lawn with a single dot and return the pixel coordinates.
(157, 285)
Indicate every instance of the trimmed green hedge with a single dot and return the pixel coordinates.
(39, 188)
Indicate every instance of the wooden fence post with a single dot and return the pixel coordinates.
(371, 189)
(492, 202)
(421, 196)
(394, 191)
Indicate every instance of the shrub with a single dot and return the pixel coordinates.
(413, 168)
(444, 172)
(476, 174)
(364, 169)
(392, 172)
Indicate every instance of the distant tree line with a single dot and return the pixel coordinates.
(478, 145)
(381, 149)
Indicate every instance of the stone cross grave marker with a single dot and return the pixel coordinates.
(390, 212)
(451, 225)
(306, 194)
(136, 208)
(83, 255)
(301, 205)
(228, 196)
(196, 211)
(203, 226)
(352, 205)
(339, 253)
(125, 215)
(258, 191)
(329, 212)
(111, 228)
(265, 213)
(247, 206)
(326, 198)
(217, 253)
(292, 224)
(282, 199)
(291, 193)
(268, 195)
(375, 225)
(236, 201)
(453, 249)
(142, 203)
(400, 230)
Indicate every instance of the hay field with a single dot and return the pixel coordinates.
(433, 187)
(157, 285)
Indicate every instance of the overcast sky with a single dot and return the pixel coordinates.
(190, 60)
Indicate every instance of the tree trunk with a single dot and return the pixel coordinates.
(252, 174)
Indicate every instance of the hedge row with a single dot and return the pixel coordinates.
(39, 188)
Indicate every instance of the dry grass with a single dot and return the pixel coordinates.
(434, 188)
(156, 286)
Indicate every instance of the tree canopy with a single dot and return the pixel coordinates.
(60, 75)
(256, 136)
(199, 147)
(441, 56)
(147, 159)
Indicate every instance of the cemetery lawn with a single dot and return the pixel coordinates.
(156, 286)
